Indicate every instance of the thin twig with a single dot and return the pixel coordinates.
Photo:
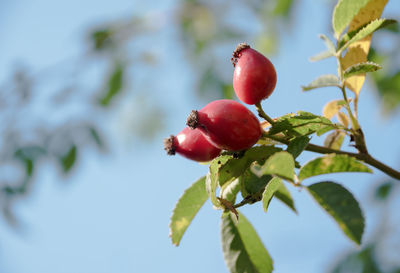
(367, 158)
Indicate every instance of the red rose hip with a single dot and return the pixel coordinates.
(227, 124)
(191, 144)
(254, 77)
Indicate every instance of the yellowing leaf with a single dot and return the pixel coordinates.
(343, 119)
(332, 108)
(334, 140)
(358, 51)
(344, 12)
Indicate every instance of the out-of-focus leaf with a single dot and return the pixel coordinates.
(68, 160)
(29, 165)
(243, 249)
(283, 7)
(114, 85)
(388, 87)
(342, 206)
(186, 209)
(322, 81)
(227, 91)
(344, 12)
(31, 151)
(102, 38)
(96, 137)
(332, 163)
(361, 68)
(383, 190)
(362, 261)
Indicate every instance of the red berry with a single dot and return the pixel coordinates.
(254, 77)
(227, 124)
(191, 144)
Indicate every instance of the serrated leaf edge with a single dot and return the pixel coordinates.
(346, 72)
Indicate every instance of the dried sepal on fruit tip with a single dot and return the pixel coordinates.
(193, 120)
(236, 52)
(169, 146)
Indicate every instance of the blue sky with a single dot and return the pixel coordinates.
(112, 213)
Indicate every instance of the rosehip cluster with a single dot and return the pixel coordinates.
(227, 124)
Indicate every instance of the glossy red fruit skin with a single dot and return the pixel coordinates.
(193, 145)
(254, 77)
(227, 124)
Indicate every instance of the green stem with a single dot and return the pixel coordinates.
(354, 123)
(263, 115)
(357, 132)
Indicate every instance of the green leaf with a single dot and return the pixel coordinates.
(322, 81)
(351, 34)
(230, 190)
(212, 178)
(334, 140)
(330, 52)
(235, 167)
(297, 145)
(269, 191)
(332, 163)
(328, 43)
(276, 188)
(114, 85)
(342, 206)
(186, 209)
(284, 195)
(363, 31)
(252, 184)
(280, 164)
(321, 56)
(302, 124)
(68, 160)
(243, 249)
(344, 12)
(361, 68)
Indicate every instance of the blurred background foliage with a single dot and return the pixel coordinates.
(67, 122)
(380, 251)
(59, 133)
